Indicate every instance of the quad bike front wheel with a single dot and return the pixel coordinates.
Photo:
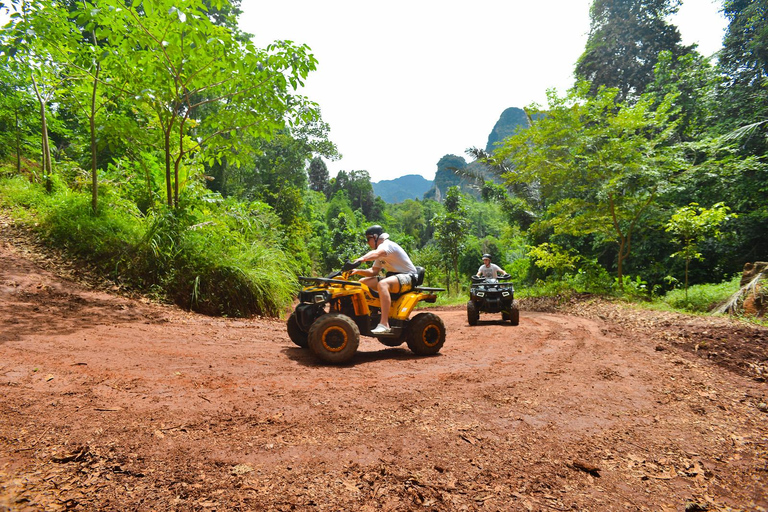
(513, 315)
(334, 338)
(297, 336)
(473, 314)
(425, 334)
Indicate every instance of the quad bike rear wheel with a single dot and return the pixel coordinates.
(473, 314)
(297, 336)
(425, 334)
(334, 338)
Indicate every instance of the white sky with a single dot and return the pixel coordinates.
(403, 83)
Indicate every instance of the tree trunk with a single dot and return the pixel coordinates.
(94, 171)
(46, 156)
(46, 151)
(18, 143)
(168, 184)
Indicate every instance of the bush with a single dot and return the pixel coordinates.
(591, 277)
(216, 267)
(104, 238)
(20, 195)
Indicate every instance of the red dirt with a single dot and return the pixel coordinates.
(112, 403)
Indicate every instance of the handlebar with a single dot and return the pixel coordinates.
(480, 279)
(350, 265)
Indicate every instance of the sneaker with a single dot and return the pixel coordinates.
(381, 329)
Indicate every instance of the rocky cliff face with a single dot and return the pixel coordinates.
(394, 191)
(446, 177)
(510, 121)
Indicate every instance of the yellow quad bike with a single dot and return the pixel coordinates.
(334, 311)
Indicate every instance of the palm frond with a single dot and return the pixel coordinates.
(744, 131)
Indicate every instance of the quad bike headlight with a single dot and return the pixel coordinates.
(320, 297)
(481, 294)
(505, 294)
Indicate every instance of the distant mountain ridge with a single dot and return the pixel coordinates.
(410, 186)
(415, 186)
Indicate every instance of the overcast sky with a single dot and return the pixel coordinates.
(403, 83)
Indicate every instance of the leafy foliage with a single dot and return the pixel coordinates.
(599, 165)
(450, 231)
(691, 225)
(701, 298)
(625, 40)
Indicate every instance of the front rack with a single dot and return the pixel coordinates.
(327, 280)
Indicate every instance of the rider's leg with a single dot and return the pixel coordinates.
(387, 285)
(371, 282)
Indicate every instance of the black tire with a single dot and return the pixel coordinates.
(425, 334)
(297, 336)
(473, 315)
(334, 338)
(390, 342)
(514, 313)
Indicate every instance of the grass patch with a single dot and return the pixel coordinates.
(701, 298)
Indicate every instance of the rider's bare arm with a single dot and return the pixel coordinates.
(372, 255)
(367, 272)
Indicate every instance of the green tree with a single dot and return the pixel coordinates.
(357, 185)
(692, 80)
(553, 257)
(17, 113)
(743, 62)
(27, 46)
(318, 175)
(691, 225)
(519, 201)
(599, 165)
(189, 62)
(86, 93)
(451, 232)
(741, 115)
(625, 39)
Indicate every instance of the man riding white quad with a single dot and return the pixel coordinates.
(489, 270)
(488, 294)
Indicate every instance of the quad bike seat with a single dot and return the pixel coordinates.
(416, 280)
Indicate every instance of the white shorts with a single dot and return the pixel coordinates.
(405, 281)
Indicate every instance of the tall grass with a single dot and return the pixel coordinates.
(209, 259)
(702, 297)
(209, 268)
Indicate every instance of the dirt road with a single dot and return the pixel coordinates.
(109, 403)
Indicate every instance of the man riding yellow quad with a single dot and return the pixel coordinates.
(334, 311)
